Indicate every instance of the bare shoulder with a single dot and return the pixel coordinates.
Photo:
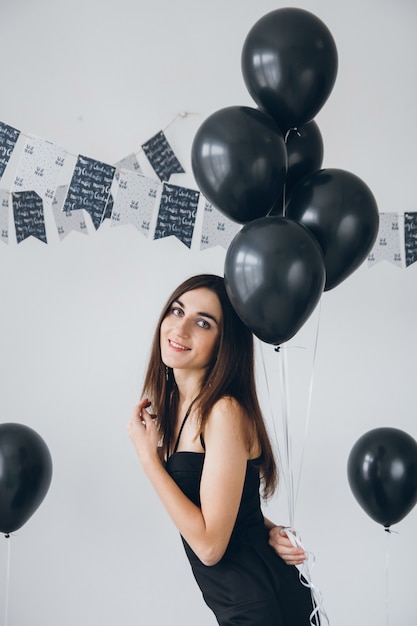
(227, 418)
(227, 406)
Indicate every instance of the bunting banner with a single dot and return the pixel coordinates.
(217, 229)
(4, 215)
(8, 139)
(46, 179)
(28, 216)
(66, 221)
(177, 213)
(90, 188)
(387, 246)
(135, 201)
(39, 168)
(162, 157)
(410, 238)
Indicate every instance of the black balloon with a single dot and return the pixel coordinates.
(382, 474)
(239, 161)
(25, 474)
(341, 212)
(274, 276)
(305, 153)
(289, 64)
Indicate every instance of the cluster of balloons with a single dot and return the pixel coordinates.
(382, 474)
(305, 229)
(25, 474)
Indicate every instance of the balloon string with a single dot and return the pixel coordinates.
(272, 412)
(387, 562)
(387, 580)
(285, 399)
(306, 580)
(6, 606)
(310, 397)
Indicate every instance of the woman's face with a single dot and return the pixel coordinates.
(190, 331)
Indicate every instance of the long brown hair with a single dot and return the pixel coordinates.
(231, 374)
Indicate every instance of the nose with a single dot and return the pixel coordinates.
(182, 326)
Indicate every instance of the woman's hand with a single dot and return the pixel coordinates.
(283, 547)
(144, 434)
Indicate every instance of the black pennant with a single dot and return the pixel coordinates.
(177, 213)
(410, 238)
(28, 216)
(161, 156)
(90, 188)
(8, 138)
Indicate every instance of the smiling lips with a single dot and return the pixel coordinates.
(177, 346)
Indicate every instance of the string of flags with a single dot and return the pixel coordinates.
(48, 178)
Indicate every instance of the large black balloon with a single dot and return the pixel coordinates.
(274, 276)
(25, 474)
(239, 161)
(341, 212)
(382, 474)
(289, 64)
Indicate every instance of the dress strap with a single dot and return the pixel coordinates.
(182, 427)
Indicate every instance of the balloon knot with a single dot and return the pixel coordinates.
(277, 348)
(7, 535)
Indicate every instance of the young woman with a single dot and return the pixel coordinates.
(202, 441)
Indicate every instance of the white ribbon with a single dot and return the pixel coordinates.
(305, 579)
(6, 604)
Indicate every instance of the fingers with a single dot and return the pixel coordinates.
(284, 548)
(143, 404)
(138, 415)
(145, 416)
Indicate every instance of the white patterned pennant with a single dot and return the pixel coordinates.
(387, 246)
(39, 168)
(135, 201)
(129, 162)
(217, 230)
(66, 221)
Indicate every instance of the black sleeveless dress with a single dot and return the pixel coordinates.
(251, 585)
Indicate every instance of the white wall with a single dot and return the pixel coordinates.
(99, 78)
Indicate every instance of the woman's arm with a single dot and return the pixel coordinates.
(282, 545)
(206, 530)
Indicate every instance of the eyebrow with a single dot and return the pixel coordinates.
(202, 313)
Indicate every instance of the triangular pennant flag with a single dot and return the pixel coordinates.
(387, 246)
(28, 216)
(129, 162)
(410, 238)
(217, 229)
(90, 188)
(135, 201)
(177, 213)
(161, 156)
(4, 215)
(40, 166)
(66, 221)
(8, 139)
